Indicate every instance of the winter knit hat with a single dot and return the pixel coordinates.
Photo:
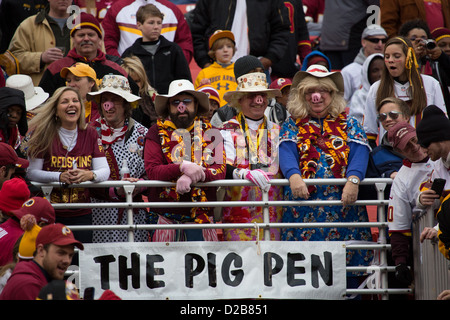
(440, 33)
(13, 194)
(86, 20)
(434, 126)
(246, 64)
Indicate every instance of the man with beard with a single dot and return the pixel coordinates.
(55, 247)
(182, 147)
(87, 42)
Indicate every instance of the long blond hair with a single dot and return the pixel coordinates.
(45, 124)
(297, 105)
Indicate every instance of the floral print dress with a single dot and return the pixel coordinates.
(302, 214)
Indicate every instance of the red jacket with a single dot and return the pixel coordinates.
(10, 232)
(25, 283)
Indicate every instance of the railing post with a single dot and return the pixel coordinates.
(266, 214)
(129, 199)
(382, 237)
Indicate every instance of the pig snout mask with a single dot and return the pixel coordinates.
(107, 105)
(315, 97)
(181, 107)
(258, 99)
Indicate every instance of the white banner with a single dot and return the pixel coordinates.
(216, 270)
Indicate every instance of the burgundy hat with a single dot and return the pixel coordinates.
(13, 194)
(400, 134)
(280, 83)
(57, 234)
(39, 207)
(86, 20)
(440, 33)
(9, 156)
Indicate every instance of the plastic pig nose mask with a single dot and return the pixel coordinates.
(181, 107)
(258, 99)
(315, 97)
(107, 105)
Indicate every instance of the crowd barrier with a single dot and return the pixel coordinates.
(377, 282)
(431, 268)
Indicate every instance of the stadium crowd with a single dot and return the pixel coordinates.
(142, 90)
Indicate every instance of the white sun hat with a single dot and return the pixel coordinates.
(252, 83)
(34, 96)
(118, 85)
(319, 71)
(179, 86)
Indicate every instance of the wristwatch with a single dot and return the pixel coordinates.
(353, 180)
(94, 176)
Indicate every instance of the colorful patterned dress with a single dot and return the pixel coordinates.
(327, 162)
(237, 156)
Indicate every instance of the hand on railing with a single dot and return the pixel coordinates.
(184, 184)
(298, 187)
(257, 176)
(193, 170)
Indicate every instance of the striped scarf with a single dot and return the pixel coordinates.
(110, 135)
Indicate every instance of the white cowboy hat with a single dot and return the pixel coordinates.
(176, 87)
(34, 96)
(251, 83)
(319, 71)
(118, 85)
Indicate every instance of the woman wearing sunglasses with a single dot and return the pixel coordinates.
(384, 162)
(401, 79)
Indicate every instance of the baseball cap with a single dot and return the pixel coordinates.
(57, 234)
(373, 30)
(400, 134)
(218, 34)
(39, 207)
(79, 69)
(9, 156)
(280, 83)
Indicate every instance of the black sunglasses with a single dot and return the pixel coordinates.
(375, 40)
(392, 114)
(175, 103)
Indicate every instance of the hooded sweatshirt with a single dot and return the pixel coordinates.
(358, 100)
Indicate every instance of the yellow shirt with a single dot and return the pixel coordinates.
(222, 79)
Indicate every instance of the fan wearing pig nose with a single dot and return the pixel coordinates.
(321, 141)
(250, 140)
(122, 138)
(178, 149)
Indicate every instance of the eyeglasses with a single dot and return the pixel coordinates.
(175, 103)
(376, 40)
(392, 114)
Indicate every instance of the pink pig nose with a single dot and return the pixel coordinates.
(315, 97)
(258, 99)
(107, 105)
(181, 107)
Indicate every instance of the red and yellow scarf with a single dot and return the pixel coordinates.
(174, 147)
(331, 138)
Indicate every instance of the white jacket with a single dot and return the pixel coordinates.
(433, 93)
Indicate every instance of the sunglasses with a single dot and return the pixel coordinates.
(392, 114)
(175, 103)
(375, 40)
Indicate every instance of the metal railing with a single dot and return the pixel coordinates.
(381, 246)
(431, 268)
